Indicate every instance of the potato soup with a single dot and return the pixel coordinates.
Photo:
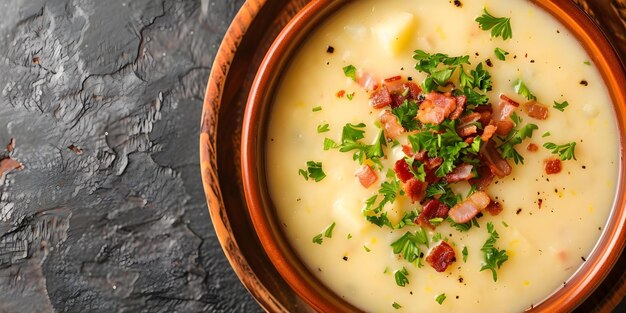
(442, 156)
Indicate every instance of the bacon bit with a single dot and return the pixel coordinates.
(469, 119)
(441, 256)
(367, 176)
(494, 208)
(415, 189)
(432, 209)
(488, 132)
(469, 140)
(461, 172)
(539, 202)
(366, 80)
(433, 163)
(341, 93)
(436, 108)
(553, 166)
(391, 79)
(380, 98)
(414, 90)
(536, 110)
(408, 150)
(460, 106)
(504, 122)
(532, 147)
(484, 179)
(11, 145)
(485, 111)
(421, 156)
(395, 87)
(397, 100)
(508, 100)
(7, 165)
(466, 210)
(402, 170)
(504, 127)
(467, 131)
(499, 166)
(393, 129)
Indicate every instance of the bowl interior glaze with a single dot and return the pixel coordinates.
(261, 209)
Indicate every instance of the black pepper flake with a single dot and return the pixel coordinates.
(488, 62)
(457, 297)
(479, 215)
(477, 54)
(402, 68)
(515, 56)
(411, 292)
(421, 255)
(460, 279)
(558, 31)
(532, 61)
(458, 3)
(583, 258)
(409, 78)
(519, 210)
(345, 258)
(330, 49)
(584, 167)
(327, 63)
(584, 83)
(540, 202)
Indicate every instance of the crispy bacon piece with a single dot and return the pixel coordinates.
(392, 79)
(485, 111)
(402, 170)
(484, 179)
(532, 147)
(494, 208)
(415, 189)
(499, 166)
(553, 166)
(380, 98)
(436, 108)
(392, 126)
(469, 119)
(504, 122)
(488, 132)
(341, 93)
(460, 106)
(7, 165)
(432, 209)
(536, 110)
(432, 163)
(464, 211)
(508, 101)
(460, 173)
(421, 156)
(408, 150)
(366, 175)
(467, 131)
(366, 80)
(441, 256)
(414, 90)
(504, 127)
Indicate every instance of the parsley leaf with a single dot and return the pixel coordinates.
(401, 277)
(314, 171)
(316, 109)
(437, 75)
(560, 106)
(500, 54)
(408, 244)
(328, 233)
(440, 298)
(350, 71)
(418, 173)
(350, 96)
(521, 89)
(389, 190)
(565, 152)
(464, 252)
(499, 26)
(463, 227)
(493, 257)
(318, 239)
(396, 306)
(323, 128)
(406, 113)
(507, 149)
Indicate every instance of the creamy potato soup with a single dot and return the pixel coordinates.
(422, 156)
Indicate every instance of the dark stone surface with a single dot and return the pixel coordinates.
(118, 222)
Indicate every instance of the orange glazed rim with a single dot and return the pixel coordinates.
(292, 269)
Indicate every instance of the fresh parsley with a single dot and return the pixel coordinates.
(316, 109)
(350, 71)
(406, 113)
(500, 54)
(318, 239)
(313, 171)
(560, 106)
(396, 306)
(350, 96)
(565, 151)
(440, 298)
(546, 134)
(328, 233)
(401, 277)
(521, 89)
(389, 190)
(464, 252)
(417, 170)
(515, 137)
(438, 66)
(323, 128)
(408, 245)
(493, 257)
(499, 26)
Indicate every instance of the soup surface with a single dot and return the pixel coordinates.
(549, 223)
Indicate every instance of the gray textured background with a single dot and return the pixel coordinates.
(119, 224)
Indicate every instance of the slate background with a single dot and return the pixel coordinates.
(118, 223)
(121, 226)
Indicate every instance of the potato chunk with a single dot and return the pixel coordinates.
(395, 32)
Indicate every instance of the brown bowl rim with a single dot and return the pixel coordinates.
(579, 286)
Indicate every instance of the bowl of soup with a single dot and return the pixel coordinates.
(438, 156)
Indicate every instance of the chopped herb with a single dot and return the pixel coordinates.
(587, 62)
(463, 227)
(350, 96)
(408, 244)
(565, 152)
(314, 171)
(350, 136)
(350, 71)
(323, 128)
(500, 54)
(505, 224)
(328, 233)
(493, 257)
(507, 149)
(546, 134)
(318, 239)
(464, 252)
(437, 75)
(401, 277)
(560, 106)
(396, 306)
(418, 173)
(436, 221)
(329, 144)
(406, 113)
(440, 298)
(317, 109)
(349, 236)
(436, 237)
(389, 190)
(473, 189)
(366, 249)
(521, 89)
(499, 26)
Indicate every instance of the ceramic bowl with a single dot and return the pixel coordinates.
(283, 257)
